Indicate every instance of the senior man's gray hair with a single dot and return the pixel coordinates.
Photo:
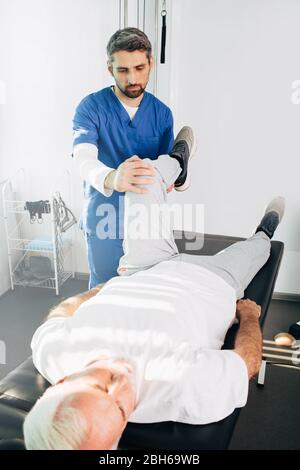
(54, 424)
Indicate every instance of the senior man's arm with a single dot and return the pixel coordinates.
(248, 342)
(68, 306)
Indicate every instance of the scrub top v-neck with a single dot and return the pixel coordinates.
(131, 110)
(124, 106)
(101, 119)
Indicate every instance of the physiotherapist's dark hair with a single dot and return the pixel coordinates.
(128, 39)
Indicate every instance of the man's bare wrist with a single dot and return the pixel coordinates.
(249, 314)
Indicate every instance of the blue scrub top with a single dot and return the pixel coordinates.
(101, 119)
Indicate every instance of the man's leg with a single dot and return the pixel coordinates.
(240, 262)
(143, 251)
(237, 264)
(155, 242)
(103, 258)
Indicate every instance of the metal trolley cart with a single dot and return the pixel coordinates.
(39, 233)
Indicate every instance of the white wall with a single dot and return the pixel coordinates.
(233, 66)
(52, 54)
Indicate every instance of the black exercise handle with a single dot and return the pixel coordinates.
(163, 36)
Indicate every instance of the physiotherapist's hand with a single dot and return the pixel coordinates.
(129, 174)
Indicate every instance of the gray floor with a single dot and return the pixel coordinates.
(22, 311)
(272, 415)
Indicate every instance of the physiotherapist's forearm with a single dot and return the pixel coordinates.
(90, 169)
(68, 307)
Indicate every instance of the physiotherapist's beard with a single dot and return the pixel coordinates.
(133, 93)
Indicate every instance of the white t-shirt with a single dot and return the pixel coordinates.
(131, 110)
(170, 321)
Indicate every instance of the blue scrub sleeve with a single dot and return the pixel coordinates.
(167, 139)
(86, 123)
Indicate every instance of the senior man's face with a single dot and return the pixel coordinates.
(104, 393)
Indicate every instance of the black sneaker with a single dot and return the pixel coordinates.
(273, 215)
(183, 150)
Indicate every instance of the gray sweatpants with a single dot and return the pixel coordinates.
(237, 264)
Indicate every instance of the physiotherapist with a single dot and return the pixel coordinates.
(114, 130)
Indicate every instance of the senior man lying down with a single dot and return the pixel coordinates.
(146, 346)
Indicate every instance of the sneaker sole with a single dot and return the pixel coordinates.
(187, 182)
(277, 205)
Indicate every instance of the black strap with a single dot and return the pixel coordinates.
(163, 36)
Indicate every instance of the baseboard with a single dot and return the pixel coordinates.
(286, 296)
(82, 276)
